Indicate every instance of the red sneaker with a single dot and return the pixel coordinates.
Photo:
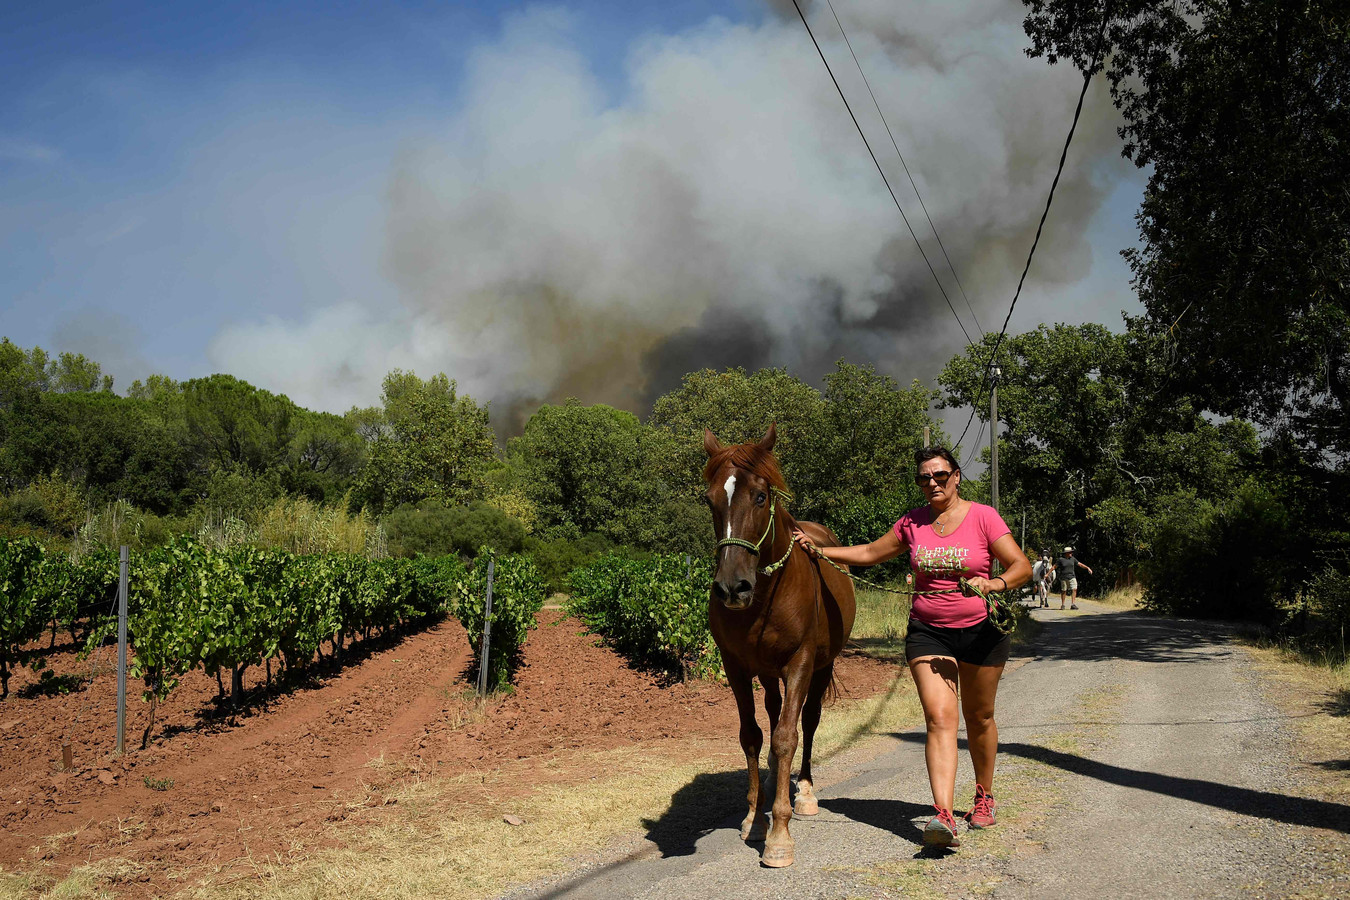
(981, 815)
(940, 832)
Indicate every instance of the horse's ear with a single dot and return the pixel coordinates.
(710, 442)
(766, 443)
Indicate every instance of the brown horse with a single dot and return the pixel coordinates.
(775, 613)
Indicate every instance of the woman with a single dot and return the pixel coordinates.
(951, 641)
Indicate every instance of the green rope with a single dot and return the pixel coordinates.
(1000, 611)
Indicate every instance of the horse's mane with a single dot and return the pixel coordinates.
(747, 456)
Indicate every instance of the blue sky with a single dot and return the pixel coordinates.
(191, 187)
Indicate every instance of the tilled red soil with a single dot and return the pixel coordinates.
(254, 785)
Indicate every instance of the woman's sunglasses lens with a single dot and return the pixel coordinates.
(939, 477)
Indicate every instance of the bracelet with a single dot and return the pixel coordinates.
(1005, 582)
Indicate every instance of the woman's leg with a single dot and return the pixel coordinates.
(935, 678)
(979, 686)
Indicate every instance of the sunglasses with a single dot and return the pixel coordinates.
(940, 477)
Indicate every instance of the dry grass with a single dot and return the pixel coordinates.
(301, 526)
(881, 623)
(83, 884)
(1316, 694)
(1123, 598)
(446, 837)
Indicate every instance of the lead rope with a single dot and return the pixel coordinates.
(1000, 611)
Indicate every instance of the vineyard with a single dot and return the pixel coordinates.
(653, 611)
(191, 605)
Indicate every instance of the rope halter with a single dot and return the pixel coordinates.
(775, 494)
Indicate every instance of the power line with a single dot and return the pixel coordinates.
(922, 205)
(1087, 79)
(880, 171)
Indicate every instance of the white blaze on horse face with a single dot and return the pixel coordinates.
(730, 488)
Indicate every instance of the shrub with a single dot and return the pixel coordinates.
(1229, 559)
(433, 529)
(655, 611)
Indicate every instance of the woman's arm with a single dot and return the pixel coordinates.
(886, 547)
(1018, 568)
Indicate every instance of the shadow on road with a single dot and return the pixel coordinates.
(895, 816)
(711, 801)
(1247, 802)
(1125, 635)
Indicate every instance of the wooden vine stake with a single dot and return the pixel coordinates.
(487, 631)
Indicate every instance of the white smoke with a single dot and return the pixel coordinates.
(554, 241)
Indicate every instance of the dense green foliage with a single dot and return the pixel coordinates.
(1239, 110)
(1089, 452)
(518, 593)
(655, 611)
(428, 442)
(433, 529)
(1240, 113)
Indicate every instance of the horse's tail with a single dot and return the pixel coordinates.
(833, 692)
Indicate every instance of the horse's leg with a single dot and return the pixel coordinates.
(806, 804)
(773, 705)
(752, 739)
(778, 845)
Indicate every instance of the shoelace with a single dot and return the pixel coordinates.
(984, 805)
(945, 817)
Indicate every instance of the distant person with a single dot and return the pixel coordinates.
(1040, 580)
(1068, 567)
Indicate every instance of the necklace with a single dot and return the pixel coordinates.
(940, 526)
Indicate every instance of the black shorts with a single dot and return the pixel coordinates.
(980, 645)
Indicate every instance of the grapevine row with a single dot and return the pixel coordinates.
(191, 605)
(655, 611)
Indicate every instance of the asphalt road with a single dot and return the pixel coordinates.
(1137, 759)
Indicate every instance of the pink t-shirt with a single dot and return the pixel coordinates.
(938, 562)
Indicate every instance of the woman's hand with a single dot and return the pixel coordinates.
(800, 537)
(987, 585)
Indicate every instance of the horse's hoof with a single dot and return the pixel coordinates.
(805, 806)
(776, 857)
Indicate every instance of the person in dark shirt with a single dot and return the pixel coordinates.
(1066, 569)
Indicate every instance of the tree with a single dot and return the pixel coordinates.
(859, 454)
(1240, 110)
(232, 423)
(599, 470)
(1089, 447)
(737, 407)
(324, 456)
(434, 444)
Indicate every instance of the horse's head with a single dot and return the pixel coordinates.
(741, 480)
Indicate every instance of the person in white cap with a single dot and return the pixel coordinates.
(1067, 568)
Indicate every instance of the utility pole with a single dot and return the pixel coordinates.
(927, 438)
(995, 373)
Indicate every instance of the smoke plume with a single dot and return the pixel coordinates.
(556, 240)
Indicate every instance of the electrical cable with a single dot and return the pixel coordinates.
(881, 172)
(1078, 110)
(903, 165)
